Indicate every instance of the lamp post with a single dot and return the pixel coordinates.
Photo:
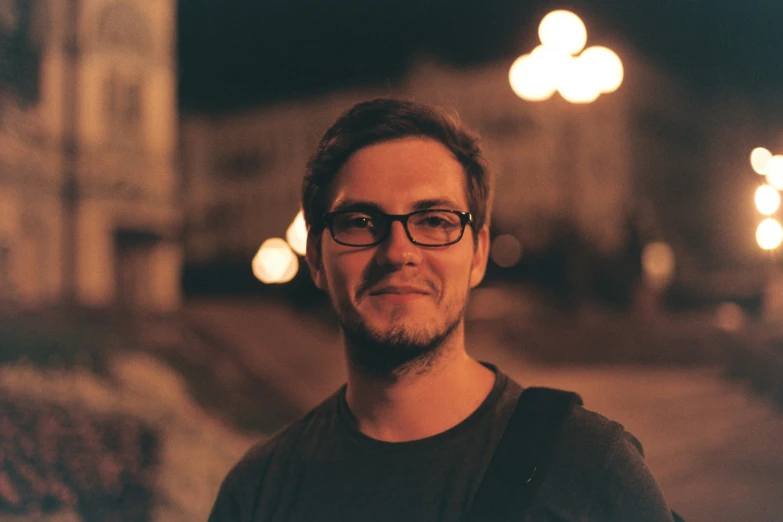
(562, 64)
(769, 232)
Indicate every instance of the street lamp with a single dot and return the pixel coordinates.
(759, 158)
(769, 234)
(556, 64)
(563, 31)
(767, 200)
(275, 262)
(774, 171)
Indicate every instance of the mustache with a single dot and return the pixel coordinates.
(370, 282)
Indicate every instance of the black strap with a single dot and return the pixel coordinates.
(522, 456)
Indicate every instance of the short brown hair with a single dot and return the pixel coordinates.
(385, 119)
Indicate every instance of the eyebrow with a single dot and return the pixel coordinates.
(350, 204)
(435, 203)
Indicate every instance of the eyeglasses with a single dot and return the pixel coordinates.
(431, 228)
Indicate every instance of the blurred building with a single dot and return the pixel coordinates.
(89, 185)
(606, 171)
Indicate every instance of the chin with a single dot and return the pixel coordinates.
(394, 348)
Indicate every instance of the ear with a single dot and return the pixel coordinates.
(313, 258)
(480, 257)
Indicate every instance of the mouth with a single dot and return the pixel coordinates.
(398, 294)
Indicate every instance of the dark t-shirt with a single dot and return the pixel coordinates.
(321, 468)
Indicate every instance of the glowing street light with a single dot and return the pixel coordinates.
(769, 234)
(556, 64)
(759, 158)
(563, 31)
(528, 80)
(275, 262)
(579, 83)
(767, 200)
(775, 172)
(296, 235)
(605, 66)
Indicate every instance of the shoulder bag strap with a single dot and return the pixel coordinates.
(522, 456)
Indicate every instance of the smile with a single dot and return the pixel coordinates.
(399, 294)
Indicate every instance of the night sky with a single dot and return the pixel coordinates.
(238, 53)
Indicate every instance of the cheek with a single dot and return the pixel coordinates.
(343, 274)
(453, 275)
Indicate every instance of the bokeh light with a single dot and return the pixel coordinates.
(767, 200)
(579, 84)
(551, 63)
(730, 317)
(759, 157)
(275, 262)
(296, 235)
(775, 172)
(769, 234)
(528, 79)
(605, 66)
(564, 31)
(658, 263)
(506, 250)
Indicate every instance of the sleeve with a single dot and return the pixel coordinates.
(627, 489)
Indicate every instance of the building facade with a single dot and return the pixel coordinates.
(89, 184)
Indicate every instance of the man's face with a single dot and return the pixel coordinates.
(397, 295)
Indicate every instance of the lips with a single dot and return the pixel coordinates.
(399, 290)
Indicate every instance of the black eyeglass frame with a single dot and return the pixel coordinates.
(465, 218)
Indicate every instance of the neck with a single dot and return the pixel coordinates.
(419, 404)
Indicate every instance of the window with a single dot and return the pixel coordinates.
(123, 27)
(123, 99)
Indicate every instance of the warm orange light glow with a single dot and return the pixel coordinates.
(564, 31)
(767, 200)
(506, 250)
(554, 66)
(769, 234)
(579, 84)
(296, 235)
(605, 66)
(730, 317)
(775, 171)
(528, 79)
(658, 264)
(275, 262)
(551, 63)
(759, 157)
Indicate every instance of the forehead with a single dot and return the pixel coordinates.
(396, 174)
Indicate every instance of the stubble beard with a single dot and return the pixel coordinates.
(399, 350)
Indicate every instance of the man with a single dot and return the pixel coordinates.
(397, 200)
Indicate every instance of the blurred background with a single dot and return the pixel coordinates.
(156, 316)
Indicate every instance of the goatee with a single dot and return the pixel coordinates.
(395, 353)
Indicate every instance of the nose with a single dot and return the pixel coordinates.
(397, 249)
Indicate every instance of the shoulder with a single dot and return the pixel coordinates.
(244, 482)
(600, 466)
(591, 432)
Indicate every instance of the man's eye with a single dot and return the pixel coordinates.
(434, 221)
(357, 222)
